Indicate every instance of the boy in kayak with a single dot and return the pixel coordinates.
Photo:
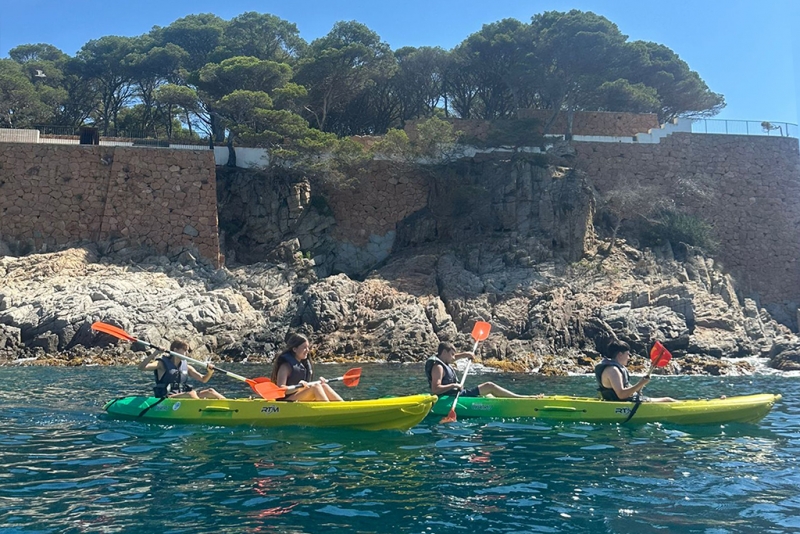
(613, 378)
(172, 374)
(293, 367)
(442, 377)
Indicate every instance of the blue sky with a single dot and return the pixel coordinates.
(749, 51)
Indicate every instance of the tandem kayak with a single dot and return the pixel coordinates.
(743, 409)
(399, 413)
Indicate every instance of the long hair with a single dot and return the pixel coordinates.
(292, 342)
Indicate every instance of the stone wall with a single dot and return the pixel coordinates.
(752, 197)
(53, 195)
(606, 123)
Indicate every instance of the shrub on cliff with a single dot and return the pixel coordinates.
(678, 227)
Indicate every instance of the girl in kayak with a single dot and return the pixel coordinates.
(293, 367)
(442, 377)
(613, 378)
(172, 374)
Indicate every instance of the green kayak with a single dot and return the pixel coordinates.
(399, 413)
(744, 409)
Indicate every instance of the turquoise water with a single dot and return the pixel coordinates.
(64, 467)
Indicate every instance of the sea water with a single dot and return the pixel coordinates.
(65, 467)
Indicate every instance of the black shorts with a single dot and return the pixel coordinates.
(471, 392)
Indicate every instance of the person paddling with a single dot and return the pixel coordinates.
(442, 377)
(293, 367)
(172, 374)
(613, 378)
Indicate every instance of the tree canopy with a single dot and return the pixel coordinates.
(253, 79)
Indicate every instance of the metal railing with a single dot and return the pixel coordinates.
(739, 127)
(68, 135)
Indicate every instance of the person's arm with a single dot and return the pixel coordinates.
(437, 388)
(615, 378)
(147, 363)
(284, 371)
(197, 376)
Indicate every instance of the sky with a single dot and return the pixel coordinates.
(747, 50)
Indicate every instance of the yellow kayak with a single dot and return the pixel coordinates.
(742, 409)
(399, 413)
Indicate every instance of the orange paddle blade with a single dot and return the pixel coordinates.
(481, 330)
(112, 330)
(260, 379)
(659, 355)
(450, 418)
(352, 377)
(267, 390)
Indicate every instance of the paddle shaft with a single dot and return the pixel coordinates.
(464, 377)
(290, 389)
(192, 360)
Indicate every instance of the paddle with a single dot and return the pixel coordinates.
(659, 357)
(479, 332)
(265, 389)
(350, 379)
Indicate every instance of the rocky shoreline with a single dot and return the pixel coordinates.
(549, 317)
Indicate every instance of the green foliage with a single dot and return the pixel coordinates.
(348, 82)
(393, 145)
(20, 106)
(435, 137)
(678, 227)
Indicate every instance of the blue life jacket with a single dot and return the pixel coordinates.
(299, 371)
(449, 376)
(608, 393)
(174, 380)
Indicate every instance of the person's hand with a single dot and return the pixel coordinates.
(644, 381)
(471, 355)
(323, 380)
(303, 383)
(456, 387)
(210, 367)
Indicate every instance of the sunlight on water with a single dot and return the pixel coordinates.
(64, 467)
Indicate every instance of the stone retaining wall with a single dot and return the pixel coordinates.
(382, 198)
(605, 123)
(52, 195)
(753, 199)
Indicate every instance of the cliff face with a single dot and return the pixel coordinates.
(352, 228)
(388, 265)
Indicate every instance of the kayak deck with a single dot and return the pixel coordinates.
(740, 409)
(400, 413)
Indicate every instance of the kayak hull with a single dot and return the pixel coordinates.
(742, 409)
(399, 413)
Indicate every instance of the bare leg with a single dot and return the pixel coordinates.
(310, 394)
(210, 393)
(490, 388)
(185, 395)
(331, 393)
(661, 399)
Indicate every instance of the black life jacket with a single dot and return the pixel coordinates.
(174, 380)
(299, 371)
(449, 376)
(608, 393)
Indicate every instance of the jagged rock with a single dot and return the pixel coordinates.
(784, 354)
(10, 337)
(547, 316)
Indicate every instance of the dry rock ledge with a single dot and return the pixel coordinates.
(548, 317)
